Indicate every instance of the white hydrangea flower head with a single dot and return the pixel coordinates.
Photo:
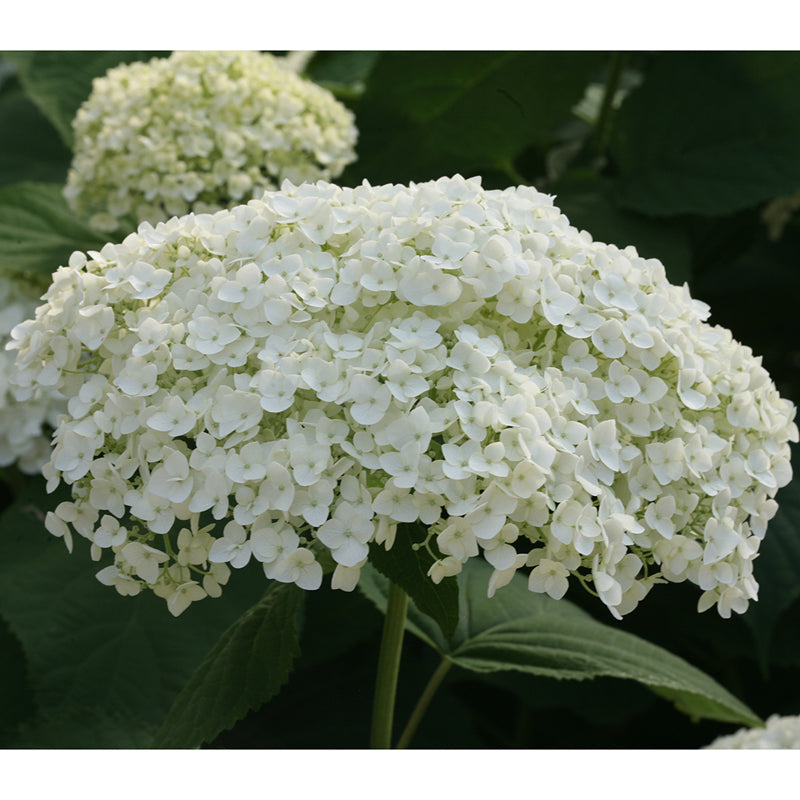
(200, 131)
(25, 428)
(301, 374)
(779, 733)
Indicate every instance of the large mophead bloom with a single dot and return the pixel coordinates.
(301, 374)
(200, 131)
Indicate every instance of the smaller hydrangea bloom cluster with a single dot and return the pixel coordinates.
(780, 733)
(24, 427)
(200, 131)
(314, 368)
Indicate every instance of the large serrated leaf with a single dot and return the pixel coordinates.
(463, 112)
(709, 133)
(89, 649)
(59, 81)
(521, 631)
(407, 565)
(38, 232)
(246, 667)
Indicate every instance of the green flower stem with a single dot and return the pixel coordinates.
(423, 703)
(388, 668)
(602, 131)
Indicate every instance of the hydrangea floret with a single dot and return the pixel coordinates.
(24, 427)
(306, 372)
(200, 131)
(779, 733)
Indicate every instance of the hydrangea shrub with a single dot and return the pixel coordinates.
(312, 369)
(24, 427)
(199, 131)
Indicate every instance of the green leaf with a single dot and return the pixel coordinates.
(428, 114)
(37, 230)
(600, 701)
(89, 648)
(709, 133)
(59, 81)
(751, 286)
(344, 73)
(30, 148)
(245, 668)
(324, 637)
(589, 203)
(16, 696)
(83, 728)
(777, 569)
(785, 649)
(407, 566)
(531, 633)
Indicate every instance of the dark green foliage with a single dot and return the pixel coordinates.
(59, 81)
(30, 148)
(521, 631)
(245, 668)
(16, 697)
(37, 230)
(424, 115)
(114, 663)
(709, 133)
(587, 199)
(778, 568)
(342, 73)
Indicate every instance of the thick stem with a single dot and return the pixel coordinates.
(423, 703)
(388, 668)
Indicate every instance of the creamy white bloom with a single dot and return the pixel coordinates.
(199, 131)
(25, 426)
(779, 733)
(323, 364)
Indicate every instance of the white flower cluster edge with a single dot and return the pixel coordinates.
(200, 131)
(24, 427)
(311, 369)
(779, 733)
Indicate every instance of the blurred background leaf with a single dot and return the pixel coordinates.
(30, 147)
(777, 570)
(59, 81)
(37, 230)
(428, 114)
(587, 200)
(16, 695)
(709, 133)
(344, 72)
